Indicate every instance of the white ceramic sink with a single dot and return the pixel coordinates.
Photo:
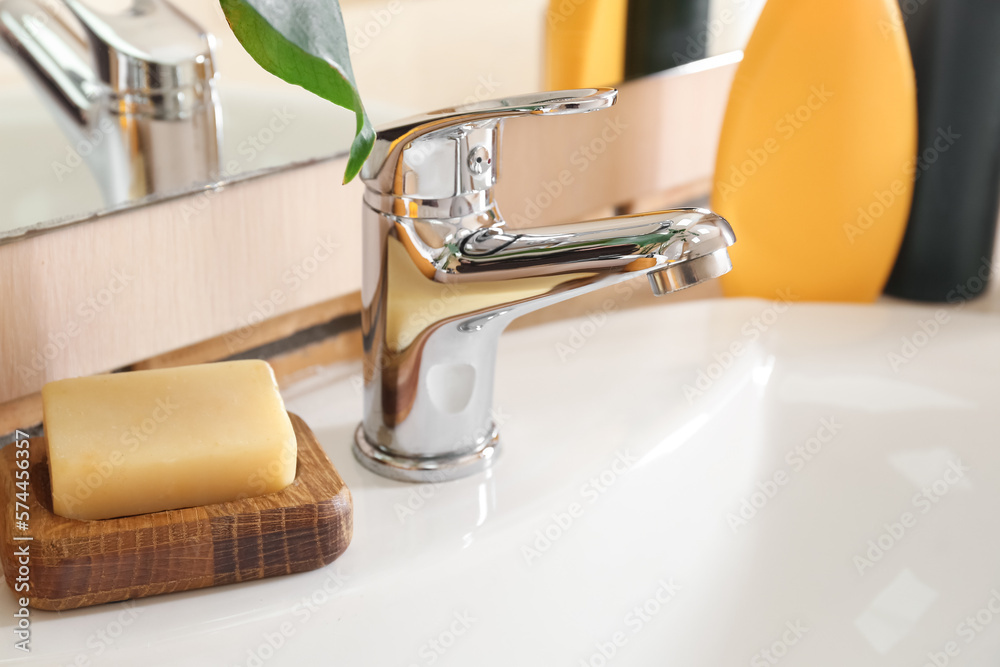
(638, 488)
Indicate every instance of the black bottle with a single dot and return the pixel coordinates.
(947, 250)
(661, 34)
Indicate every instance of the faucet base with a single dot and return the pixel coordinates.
(429, 468)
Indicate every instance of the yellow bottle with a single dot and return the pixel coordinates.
(585, 43)
(818, 151)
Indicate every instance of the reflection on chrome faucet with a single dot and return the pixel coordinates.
(135, 91)
(443, 277)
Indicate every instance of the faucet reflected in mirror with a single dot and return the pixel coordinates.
(443, 277)
(136, 87)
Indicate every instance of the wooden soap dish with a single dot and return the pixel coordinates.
(80, 563)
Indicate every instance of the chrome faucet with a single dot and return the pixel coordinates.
(133, 92)
(443, 277)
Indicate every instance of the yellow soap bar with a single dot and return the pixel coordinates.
(147, 441)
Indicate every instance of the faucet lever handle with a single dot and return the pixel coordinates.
(445, 163)
(552, 102)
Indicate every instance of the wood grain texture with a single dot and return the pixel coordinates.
(23, 412)
(247, 338)
(298, 364)
(82, 563)
(135, 284)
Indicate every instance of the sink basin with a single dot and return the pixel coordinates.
(712, 483)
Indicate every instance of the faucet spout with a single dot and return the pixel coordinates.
(499, 275)
(612, 249)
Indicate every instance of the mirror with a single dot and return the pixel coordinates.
(409, 56)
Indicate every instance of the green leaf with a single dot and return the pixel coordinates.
(303, 42)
